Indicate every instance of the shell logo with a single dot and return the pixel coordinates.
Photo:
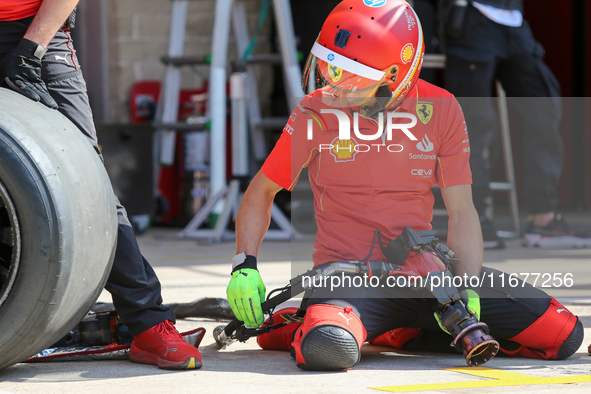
(344, 150)
(406, 53)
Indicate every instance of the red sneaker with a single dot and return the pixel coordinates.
(396, 338)
(162, 345)
(281, 338)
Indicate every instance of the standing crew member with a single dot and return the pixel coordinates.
(37, 59)
(488, 40)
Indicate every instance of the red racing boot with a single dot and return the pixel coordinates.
(396, 338)
(281, 338)
(162, 345)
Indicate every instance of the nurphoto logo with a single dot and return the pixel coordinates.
(346, 143)
(345, 125)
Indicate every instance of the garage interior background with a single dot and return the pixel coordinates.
(121, 42)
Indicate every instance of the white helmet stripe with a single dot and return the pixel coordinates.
(346, 64)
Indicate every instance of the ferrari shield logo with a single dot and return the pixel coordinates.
(335, 73)
(424, 111)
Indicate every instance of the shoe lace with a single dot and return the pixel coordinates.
(167, 330)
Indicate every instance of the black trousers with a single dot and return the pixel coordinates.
(132, 282)
(506, 309)
(482, 52)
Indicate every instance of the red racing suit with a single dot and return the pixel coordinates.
(12, 10)
(382, 183)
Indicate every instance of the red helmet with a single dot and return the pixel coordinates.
(369, 48)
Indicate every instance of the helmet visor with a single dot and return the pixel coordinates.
(328, 70)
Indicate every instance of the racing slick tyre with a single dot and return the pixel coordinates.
(58, 227)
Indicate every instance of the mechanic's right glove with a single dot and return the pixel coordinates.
(21, 70)
(438, 318)
(471, 301)
(246, 290)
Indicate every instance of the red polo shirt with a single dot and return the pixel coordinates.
(364, 184)
(11, 10)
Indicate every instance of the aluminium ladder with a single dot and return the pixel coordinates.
(225, 198)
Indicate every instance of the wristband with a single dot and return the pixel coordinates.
(243, 260)
(33, 48)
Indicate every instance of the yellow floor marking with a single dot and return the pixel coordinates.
(501, 378)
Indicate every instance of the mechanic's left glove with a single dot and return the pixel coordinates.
(246, 290)
(438, 318)
(471, 301)
(21, 70)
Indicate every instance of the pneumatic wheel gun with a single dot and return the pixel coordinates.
(431, 262)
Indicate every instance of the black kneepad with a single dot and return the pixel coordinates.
(573, 342)
(329, 348)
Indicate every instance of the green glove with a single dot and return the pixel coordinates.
(245, 292)
(471, 301)
(438, 318)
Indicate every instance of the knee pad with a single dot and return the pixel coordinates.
(572, 343)
(330, 339)
(556, 335)
(281, 338)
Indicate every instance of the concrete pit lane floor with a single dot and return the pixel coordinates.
(190, 270)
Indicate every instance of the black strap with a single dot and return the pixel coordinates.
(249, 262)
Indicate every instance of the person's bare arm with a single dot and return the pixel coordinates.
(464, 235)
(51, 16)
(246, 290)
(254, 215)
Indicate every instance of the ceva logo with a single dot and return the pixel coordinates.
(422, 172)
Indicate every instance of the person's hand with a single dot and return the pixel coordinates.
(438, 318)
(246, 291)
(471, 301)
(21, 70)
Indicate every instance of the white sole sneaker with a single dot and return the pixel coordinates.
(561, 242)
(496, 244)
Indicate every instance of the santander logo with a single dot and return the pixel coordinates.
(425, 145)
